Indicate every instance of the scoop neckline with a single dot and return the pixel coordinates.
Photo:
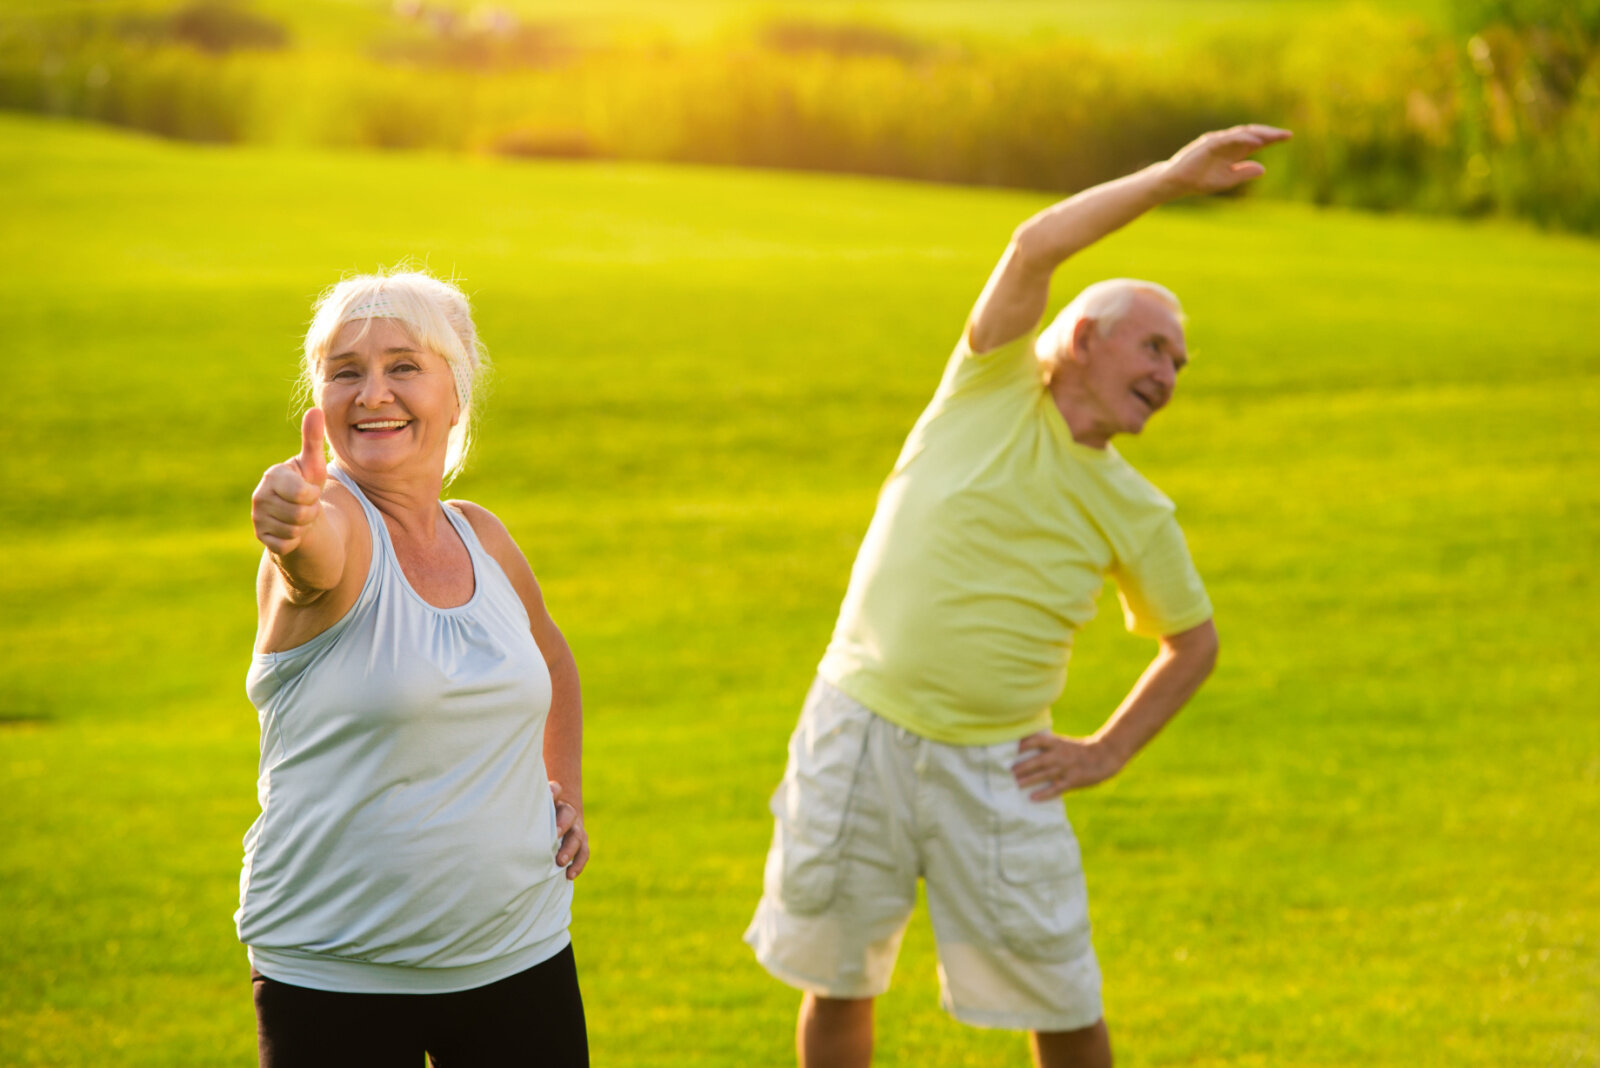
(375, 518)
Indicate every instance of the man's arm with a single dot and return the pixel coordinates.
(1053, 764)
(1014, 299)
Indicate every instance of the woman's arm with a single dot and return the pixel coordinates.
(303, 584)
(563, 730)
(563, 743)
(302, 537)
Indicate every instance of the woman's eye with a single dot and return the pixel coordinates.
(344, 376)
(404, 368)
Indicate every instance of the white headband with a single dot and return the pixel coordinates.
(379, 308)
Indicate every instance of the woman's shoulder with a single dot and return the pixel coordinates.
(502, 549)
(492, 533)
(483, 521)
(358, 529)
(286, 624)
(336, 493)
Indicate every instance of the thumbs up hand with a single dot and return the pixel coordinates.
(312, 461)
(288, 501)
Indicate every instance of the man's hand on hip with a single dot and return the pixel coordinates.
(1051, 764)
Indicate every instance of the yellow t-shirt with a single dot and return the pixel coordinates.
(992, 538)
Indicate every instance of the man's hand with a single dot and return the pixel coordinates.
(1219, 160)
(288, 500)
(573, 854)
(1053, 764)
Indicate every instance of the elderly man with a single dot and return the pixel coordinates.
(925, 747)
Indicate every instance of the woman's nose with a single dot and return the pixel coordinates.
(374, 391)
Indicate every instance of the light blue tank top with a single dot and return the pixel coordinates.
(407, 838)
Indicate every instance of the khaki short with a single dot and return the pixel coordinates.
(865, 809)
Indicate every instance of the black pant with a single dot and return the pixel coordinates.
(534, 1018)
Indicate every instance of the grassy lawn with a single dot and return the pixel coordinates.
(1369, 841)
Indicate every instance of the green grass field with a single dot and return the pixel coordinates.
(1371, 840)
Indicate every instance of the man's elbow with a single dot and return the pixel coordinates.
(1209, 664)
(1198, 646)
(1030, 247)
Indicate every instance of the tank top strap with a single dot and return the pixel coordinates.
(384, 568)
(469, 537)
(383, 552)
(377, 530)
(496, 586)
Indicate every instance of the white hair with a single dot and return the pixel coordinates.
(1105, 303)
(437, 317)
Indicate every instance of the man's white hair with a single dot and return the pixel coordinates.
(1103, 302)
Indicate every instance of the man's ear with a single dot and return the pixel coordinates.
(1083, 334)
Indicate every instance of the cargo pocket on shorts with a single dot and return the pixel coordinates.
(810, 806)
(1038, 896)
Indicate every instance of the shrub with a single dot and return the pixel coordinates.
(218, 26)
(1502, 115)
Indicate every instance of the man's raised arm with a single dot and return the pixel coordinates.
(1014, 299)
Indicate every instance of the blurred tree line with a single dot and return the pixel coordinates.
(1497, 113)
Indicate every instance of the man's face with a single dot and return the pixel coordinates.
(1130, 373)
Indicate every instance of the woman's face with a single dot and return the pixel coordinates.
(389, 403)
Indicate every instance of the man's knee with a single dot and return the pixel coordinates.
(1087, 1047)
(840, 1009)
(834, 1032)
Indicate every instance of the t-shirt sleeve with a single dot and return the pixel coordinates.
(1160, 589)
(969, 372)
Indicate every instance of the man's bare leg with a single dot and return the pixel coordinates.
(835, 1032)
(1089, 1047)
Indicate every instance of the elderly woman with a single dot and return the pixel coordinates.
(407, 886)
